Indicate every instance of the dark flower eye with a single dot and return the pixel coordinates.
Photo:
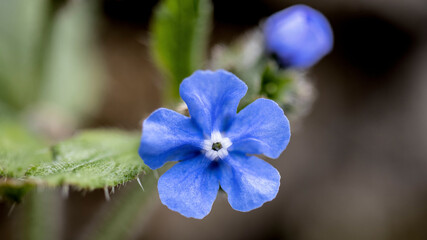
(216, 146)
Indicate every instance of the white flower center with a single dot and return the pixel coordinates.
(216, 147)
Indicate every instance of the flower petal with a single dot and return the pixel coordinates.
(190, 187)
(212, 98)
(248, 181)
(169, 136)
(260, 128)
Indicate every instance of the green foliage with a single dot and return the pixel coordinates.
(179, 39)
(48, 63)
(289, 88)
(14, 190)
(90, 160)
(93, 159)
(19, 149)
(22, 24)
(127, 213)
(41, 219)
(275, 82)
(72, 80)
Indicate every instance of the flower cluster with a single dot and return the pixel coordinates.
(215, 146)
(299, 36)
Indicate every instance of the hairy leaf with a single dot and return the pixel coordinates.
(19, 149)
(93, 159)
(14, 190)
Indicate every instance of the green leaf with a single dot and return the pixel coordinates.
(5, 110)
(14, 190)
(22, 25)
(180, 30)
(20, 149)
(92, 159)
(73, 74)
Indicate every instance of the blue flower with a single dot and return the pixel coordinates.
(212, 146)
(299, 36)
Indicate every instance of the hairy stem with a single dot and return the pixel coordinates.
(124, 216)
(41, 219)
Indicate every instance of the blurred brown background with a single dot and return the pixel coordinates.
(356, 167)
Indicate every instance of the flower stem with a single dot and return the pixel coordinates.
(125, 215)
(41, 219)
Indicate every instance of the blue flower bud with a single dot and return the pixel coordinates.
(299, 36)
